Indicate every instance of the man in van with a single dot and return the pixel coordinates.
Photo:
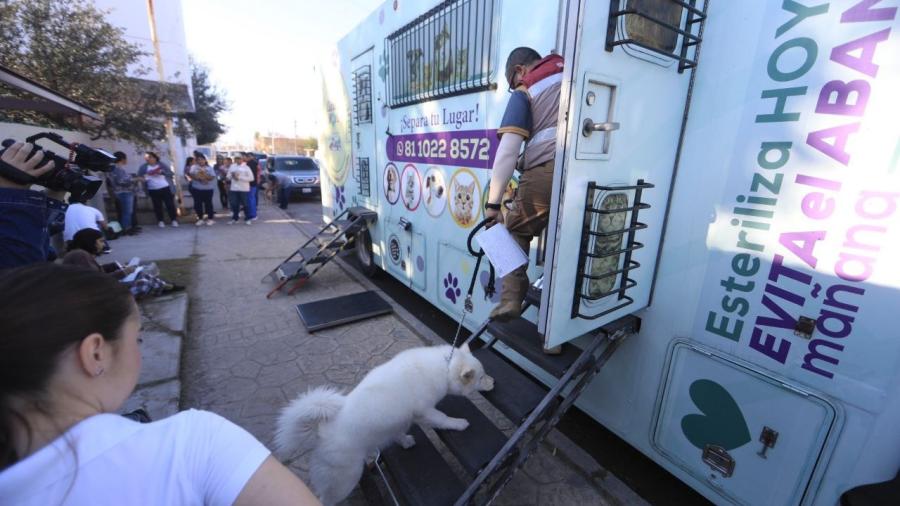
(531, 117)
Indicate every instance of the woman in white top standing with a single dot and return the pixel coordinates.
(159, 178)
(239, 192)
(63, 378)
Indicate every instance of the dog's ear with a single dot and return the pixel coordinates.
(467, 375)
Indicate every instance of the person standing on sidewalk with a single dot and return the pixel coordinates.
(160, 181)
(532, 115)
(203, 178)
(221, 171)
(121, 184)
(253, 165)
(238, 195)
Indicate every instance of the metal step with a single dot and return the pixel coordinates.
(522, 336)
(348, 227)
(364, 213)
(311, 256)
(291, 270)
(475, 446)
(421, 475)
(515, 394)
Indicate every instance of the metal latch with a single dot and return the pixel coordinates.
(768, 437)
(404, 224)
(590, 127)
(719, 460)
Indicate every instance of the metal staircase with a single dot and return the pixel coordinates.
(321, 248)
(420, 476)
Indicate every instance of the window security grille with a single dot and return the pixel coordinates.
(671, 28)
(362, 95)
(447, 51)
(362, 176)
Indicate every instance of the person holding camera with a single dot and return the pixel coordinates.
(160, 181)
(27, 217)
(64, 378)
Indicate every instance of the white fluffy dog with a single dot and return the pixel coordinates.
(346, 429)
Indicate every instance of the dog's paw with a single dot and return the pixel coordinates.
(459, 424)
(407, 441)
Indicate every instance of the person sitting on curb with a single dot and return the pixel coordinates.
(64, 378)
(88, 245)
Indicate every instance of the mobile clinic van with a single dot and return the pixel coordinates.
(755, 147)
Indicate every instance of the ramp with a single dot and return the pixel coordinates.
(327, 313)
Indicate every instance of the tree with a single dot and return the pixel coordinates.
(69, 46)
(208, 103)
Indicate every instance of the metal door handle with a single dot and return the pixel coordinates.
(590, 127)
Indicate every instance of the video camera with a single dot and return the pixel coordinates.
(67, 174)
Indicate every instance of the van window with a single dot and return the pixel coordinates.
(448, 50)
(658, 31)
(650, 33)
(362, 95)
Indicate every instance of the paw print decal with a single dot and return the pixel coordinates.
(451, 283)
(339, 199)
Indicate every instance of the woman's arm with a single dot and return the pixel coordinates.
(273, 484)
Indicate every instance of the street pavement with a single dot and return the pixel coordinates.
(244, 357)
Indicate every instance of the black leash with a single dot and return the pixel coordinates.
(489, 290)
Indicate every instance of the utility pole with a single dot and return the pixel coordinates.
(295, 138)
(170, 133)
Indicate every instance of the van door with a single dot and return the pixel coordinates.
(622, 104)
(363, 190)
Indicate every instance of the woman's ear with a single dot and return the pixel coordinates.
(93, 353)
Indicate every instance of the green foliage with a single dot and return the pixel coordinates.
(68, 46)
(208, 103)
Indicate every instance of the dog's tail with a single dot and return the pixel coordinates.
(298, 424)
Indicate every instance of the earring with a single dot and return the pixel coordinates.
(99, 372)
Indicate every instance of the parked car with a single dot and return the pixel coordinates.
(298, 174)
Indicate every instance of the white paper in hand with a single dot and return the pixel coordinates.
(134, 262)
(131, 277)
(501, 249)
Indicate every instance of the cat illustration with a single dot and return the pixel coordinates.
(435, 191)
(463, 202)
(410, 188)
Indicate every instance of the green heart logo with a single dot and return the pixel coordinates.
(722, 422)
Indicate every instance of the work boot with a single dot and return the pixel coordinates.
(512, 293)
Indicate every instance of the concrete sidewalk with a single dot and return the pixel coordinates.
(244, 356)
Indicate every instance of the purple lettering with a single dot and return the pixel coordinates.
(840, 134)
(815, 355)
(866, 45)
(825, 184)
(766, 345)
(851, 267)
(888, 207)
(778, 269)
(803, 244)
(835, 98)
(845, 324)
(863, 12)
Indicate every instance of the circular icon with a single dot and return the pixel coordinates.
(464, 198)
(411, 187)
(391, 183)
(434, 192)
(394, 249)
(509, 194)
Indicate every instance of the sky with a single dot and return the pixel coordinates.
(262, 55)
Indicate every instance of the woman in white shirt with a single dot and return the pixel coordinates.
(239, 192)
(159, 179)
(61, 380)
